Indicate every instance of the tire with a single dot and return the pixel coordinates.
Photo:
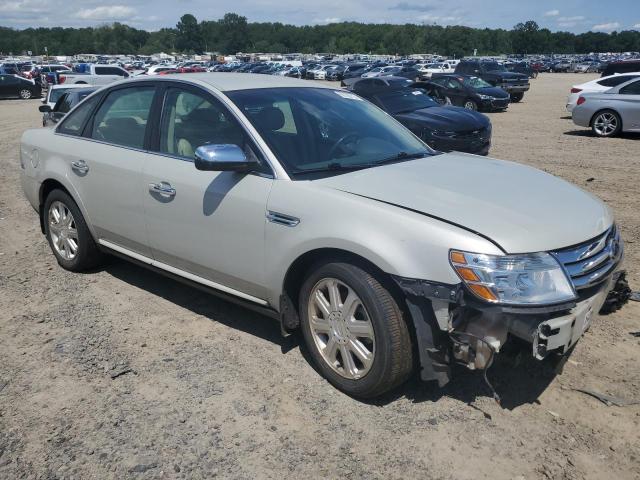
(606, 123)
(63, 234)
(517, 97)
(378, 318)
(25, 94)
(470, 104)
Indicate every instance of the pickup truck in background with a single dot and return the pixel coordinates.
(94, 75)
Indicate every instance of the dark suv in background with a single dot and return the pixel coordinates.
(515, 84)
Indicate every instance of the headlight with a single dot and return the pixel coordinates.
(485, 97)
(528, 279)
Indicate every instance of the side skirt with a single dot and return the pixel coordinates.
(252, 303)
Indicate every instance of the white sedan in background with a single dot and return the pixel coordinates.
(599, 85)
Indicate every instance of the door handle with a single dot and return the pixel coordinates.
(163, 188)
(80, 166)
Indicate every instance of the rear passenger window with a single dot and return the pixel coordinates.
(631, 89)
(123, 116)
(615, 81)
(73, 124)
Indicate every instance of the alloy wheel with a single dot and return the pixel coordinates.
(605, 124)
(341, 328)
(63, 232)
(25, 94)
(470, 105)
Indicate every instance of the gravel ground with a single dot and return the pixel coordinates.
(121, 373)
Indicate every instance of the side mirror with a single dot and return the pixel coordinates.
(44, 108)
(222, 158)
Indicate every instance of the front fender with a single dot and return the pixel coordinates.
(399, 242)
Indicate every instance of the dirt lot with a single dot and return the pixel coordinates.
(121, 373)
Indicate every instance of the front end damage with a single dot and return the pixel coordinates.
(453, 326)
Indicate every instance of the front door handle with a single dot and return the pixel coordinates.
(163, 188)
(80, 166)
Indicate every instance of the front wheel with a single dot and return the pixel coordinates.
(606, 123)
(68, 234)
(471, 105)
(517, 97)
(25, 94)
(355, 330)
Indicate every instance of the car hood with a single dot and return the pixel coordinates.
(492, 92)
(448, 118)
(520, 208)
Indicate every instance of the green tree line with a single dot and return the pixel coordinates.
(233, 33)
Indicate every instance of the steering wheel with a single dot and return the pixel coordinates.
(340, 141)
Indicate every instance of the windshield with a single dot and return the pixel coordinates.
(405, 100)
(475, 82)
(318, 129)
(492, 67)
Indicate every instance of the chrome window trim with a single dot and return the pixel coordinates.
(181, 273)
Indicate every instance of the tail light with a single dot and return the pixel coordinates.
(576, 90)
(61, 79)
(581, 100)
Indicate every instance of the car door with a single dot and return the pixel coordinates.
(204, 223)
(9, 86)
(106, 167)
(629, 98)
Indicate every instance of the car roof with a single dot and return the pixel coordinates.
(224, 81)
(70, 85)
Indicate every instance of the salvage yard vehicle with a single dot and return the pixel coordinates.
(94, 75)
(12, 86)
(599, 85)
(516, 84)
(612, 112)
(466, 91)
(444, 128)
(315, 207)
(69, 99)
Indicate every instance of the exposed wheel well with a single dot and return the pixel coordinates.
(45, 189)
(299, 269)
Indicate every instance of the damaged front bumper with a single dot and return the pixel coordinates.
(453, 326)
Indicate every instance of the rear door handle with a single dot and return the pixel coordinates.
(80, 166)
(163, 188)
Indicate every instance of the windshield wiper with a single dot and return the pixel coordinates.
(400, 157)
(331, 167)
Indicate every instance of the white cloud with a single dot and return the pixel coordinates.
(636, 26)
(111, 12)
(552, 13)
(21, 6)
(566, 22)
(606, 27)
(327, 20)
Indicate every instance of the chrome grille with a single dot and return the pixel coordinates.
(589, 263)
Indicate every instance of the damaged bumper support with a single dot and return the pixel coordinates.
(453, 326)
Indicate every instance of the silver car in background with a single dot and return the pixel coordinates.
(315, 207)
(612, 112)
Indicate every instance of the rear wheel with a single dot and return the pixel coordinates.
(606, 123)
(354, 330)
(25, 94)
(517, 97)
(68, 234)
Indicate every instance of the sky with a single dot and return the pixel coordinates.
(567, 15)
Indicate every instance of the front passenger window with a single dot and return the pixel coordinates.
(122, 117)
(191, 120)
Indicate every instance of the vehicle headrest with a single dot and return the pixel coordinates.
(204, 116)
(270, 118)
